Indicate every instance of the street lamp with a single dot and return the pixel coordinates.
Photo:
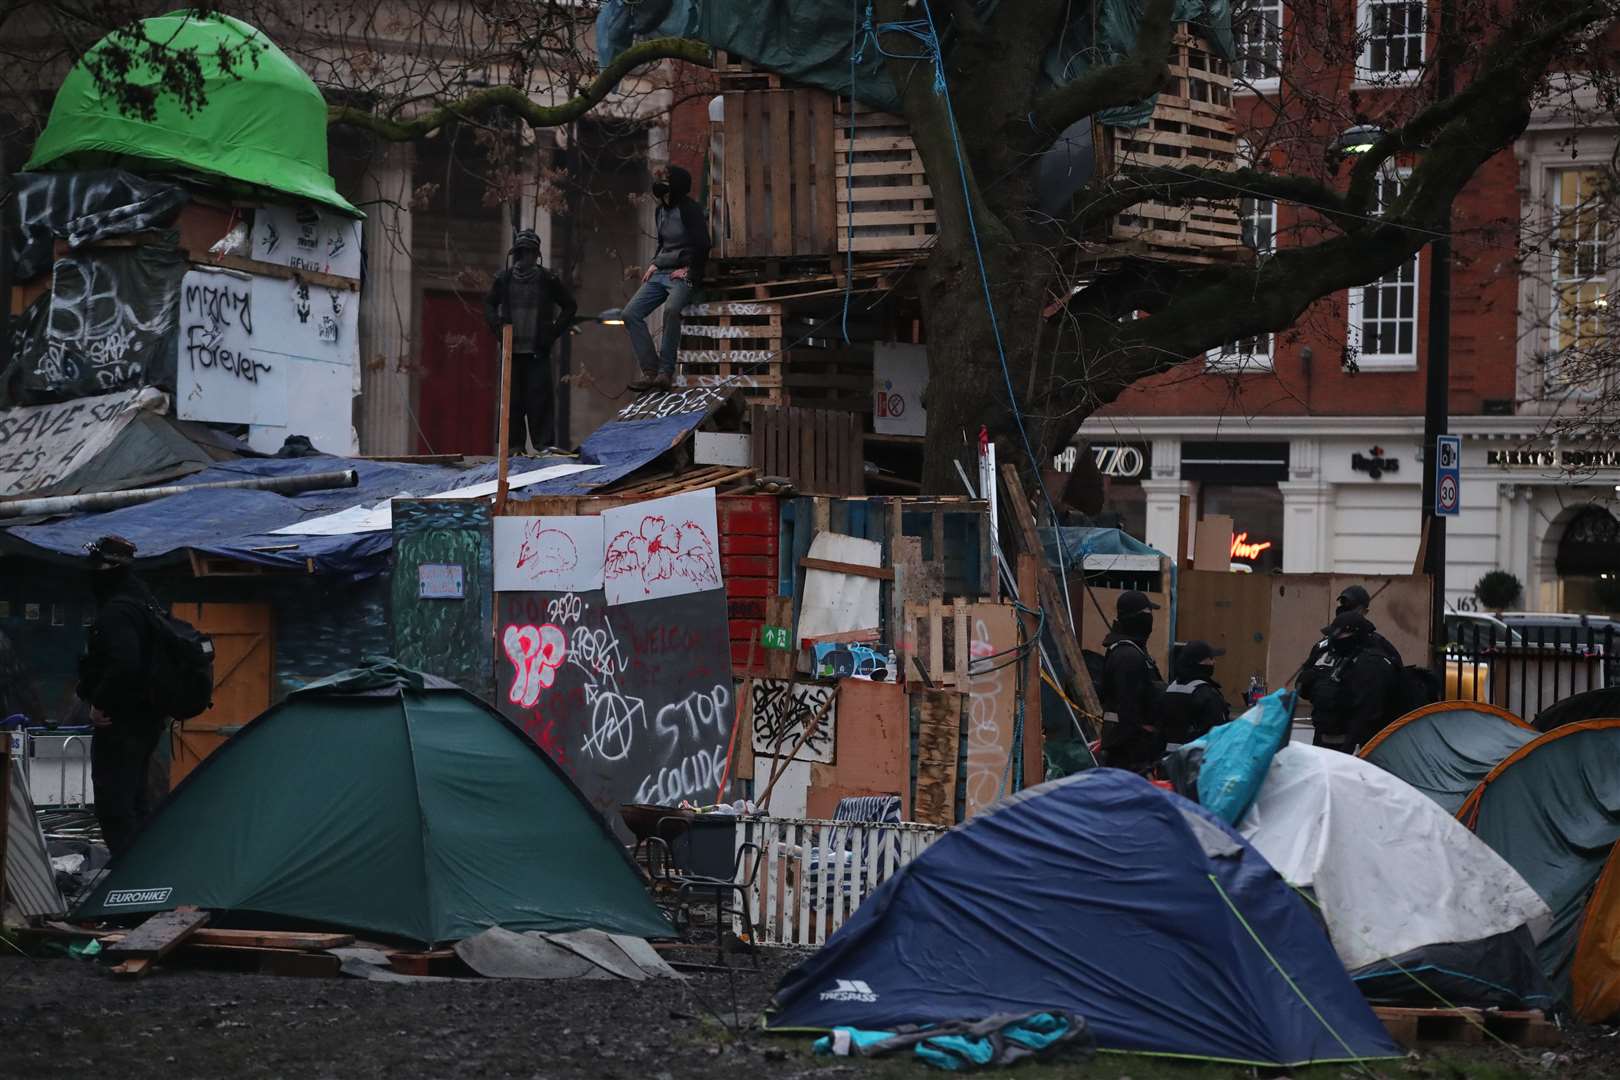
(1436, 405)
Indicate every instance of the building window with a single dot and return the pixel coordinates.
(1259, 220)
(1582, 234)
(1383, 314)
(1257, 33)
(1392, 38)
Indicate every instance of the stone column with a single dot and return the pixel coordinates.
(1162, 493)
(1307, 511)
(388, 306)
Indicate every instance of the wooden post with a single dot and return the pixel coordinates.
(5, 790)
(1034, 733)
(505, 418)
(1051, 597)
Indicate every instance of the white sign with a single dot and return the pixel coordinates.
(306, 238)
(899, 377)
(548, 554)
(661, 547)
(312, 332)
(220, 375)
(441, 581)
(41, 445)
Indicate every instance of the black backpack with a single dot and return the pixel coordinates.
(182, 667)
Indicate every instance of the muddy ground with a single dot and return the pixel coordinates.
(69, 1018)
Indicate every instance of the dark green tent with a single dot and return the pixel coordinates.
(1445, 749)
(386, 802)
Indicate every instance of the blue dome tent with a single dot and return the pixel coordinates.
(1101, 895)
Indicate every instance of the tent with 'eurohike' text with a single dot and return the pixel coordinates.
(1101, 895)
(388, 802)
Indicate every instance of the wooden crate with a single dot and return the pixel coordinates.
(884, 201)
(771, 174)
(1193, 124)
(776, 352)
(820, 450)
(735, 73)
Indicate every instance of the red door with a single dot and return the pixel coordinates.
(460, 376)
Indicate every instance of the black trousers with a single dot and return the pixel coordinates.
(531, 402)
(119, 760)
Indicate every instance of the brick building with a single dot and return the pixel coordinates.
(1310, 438)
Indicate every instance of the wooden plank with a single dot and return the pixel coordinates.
(159, 934)
(779, 612)
(759, 231)
(783, 165)
(1078, 682)
(734, 194)
(960, 644)
(823, 164)
(275, 270)
(288, 962)
(939, 718)
(883, 573)
(271, 939)
(804, 426)
(802, 141)
(1034, 732)
(433, 962)
(936, 644)
(993, 691)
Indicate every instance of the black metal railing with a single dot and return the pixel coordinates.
(1526, 669)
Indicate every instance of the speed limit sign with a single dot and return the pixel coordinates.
(1447, 475)
(1448, 494)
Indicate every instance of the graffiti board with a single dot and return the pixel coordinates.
(445, 638)
(548, 554)
(661, 547)
(43, 444)
(776, 720)
(305, 237)
(634, 702)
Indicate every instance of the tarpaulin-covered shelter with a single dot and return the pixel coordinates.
(262, 121)
(1552, 810)
(1445, 749)
(1404, 888)
(385, 801)
(1101, 895)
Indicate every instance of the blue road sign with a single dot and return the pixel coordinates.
(1448, 475)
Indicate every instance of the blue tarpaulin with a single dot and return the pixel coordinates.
(1101, 895)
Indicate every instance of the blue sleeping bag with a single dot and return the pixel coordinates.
(1237, 755)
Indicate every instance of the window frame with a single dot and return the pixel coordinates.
(1225, 359)
(1355, 304)
(1368, 76)
(1604, 278)
(1265, 84)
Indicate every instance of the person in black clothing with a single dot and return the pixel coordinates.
(113, 682)
(1355, 599)
(540, 308)
(1193, 702)
(1350, 685)
(676, 269)
(1131, 688)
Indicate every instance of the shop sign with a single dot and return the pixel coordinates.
(1246, 549)
(1572, 460)
(1374, 463)
(1118, 461)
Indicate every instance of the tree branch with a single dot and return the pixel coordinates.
(1141, 74)
(519, 102)
(1159, 183)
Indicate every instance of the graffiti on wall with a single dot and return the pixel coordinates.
(661, 547)
(777, 719)
(548, 554)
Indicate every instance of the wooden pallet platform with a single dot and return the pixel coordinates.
(884, 200)
(819, 450)
(773, 191)
(1413, 1028)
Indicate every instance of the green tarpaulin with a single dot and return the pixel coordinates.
(387, 803)
(1445, 750)
(262, 123)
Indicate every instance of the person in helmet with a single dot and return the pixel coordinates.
(540, 309)
(1131, 687)
(1193, 702)
(114, 682)
(676, 269)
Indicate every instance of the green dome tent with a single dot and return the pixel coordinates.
(1445, 749)
(262, 123)
(389, 802)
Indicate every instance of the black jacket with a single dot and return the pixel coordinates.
(557, 305)
(1191, 706)
(1352, 695)
(694, 254)
(1131, 688)
(113, 673)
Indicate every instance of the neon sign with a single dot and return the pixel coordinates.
(1242, 548)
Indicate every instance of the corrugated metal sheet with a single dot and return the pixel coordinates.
(30, 882)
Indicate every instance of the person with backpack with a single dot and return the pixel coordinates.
(1352, 685)
(1193, 702)
(1131, 688)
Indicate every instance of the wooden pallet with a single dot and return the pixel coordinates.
(937, 634)
(781, 352)
(1192, 124)
(735, 73)
(1418, 1027)
(819, 450)
(771, 170)
(884, 201)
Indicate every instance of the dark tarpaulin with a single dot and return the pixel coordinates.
(82, 207)
(1446, 752)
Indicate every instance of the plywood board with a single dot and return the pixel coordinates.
(1095, 624)
(661, 547)
(789, 797)
(1231, 612)
(833, 602)
(873, 748)
(548, 554)
(1303, 603)
(992, 684)
(1212, 543)
(939, 730)
(777, 718)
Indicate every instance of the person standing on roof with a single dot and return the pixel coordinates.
(540, 309)
(114, 680)
(1351, 685)
(676, 269)
(1131, 688)
(1193, 702)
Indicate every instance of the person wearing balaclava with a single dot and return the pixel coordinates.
(1193, 702)
(1132, 736)
(676, 269)
(540, 309)
(1354, 600)
(1351, 685)
(113, 681)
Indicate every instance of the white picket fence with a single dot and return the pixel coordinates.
(812, 875)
